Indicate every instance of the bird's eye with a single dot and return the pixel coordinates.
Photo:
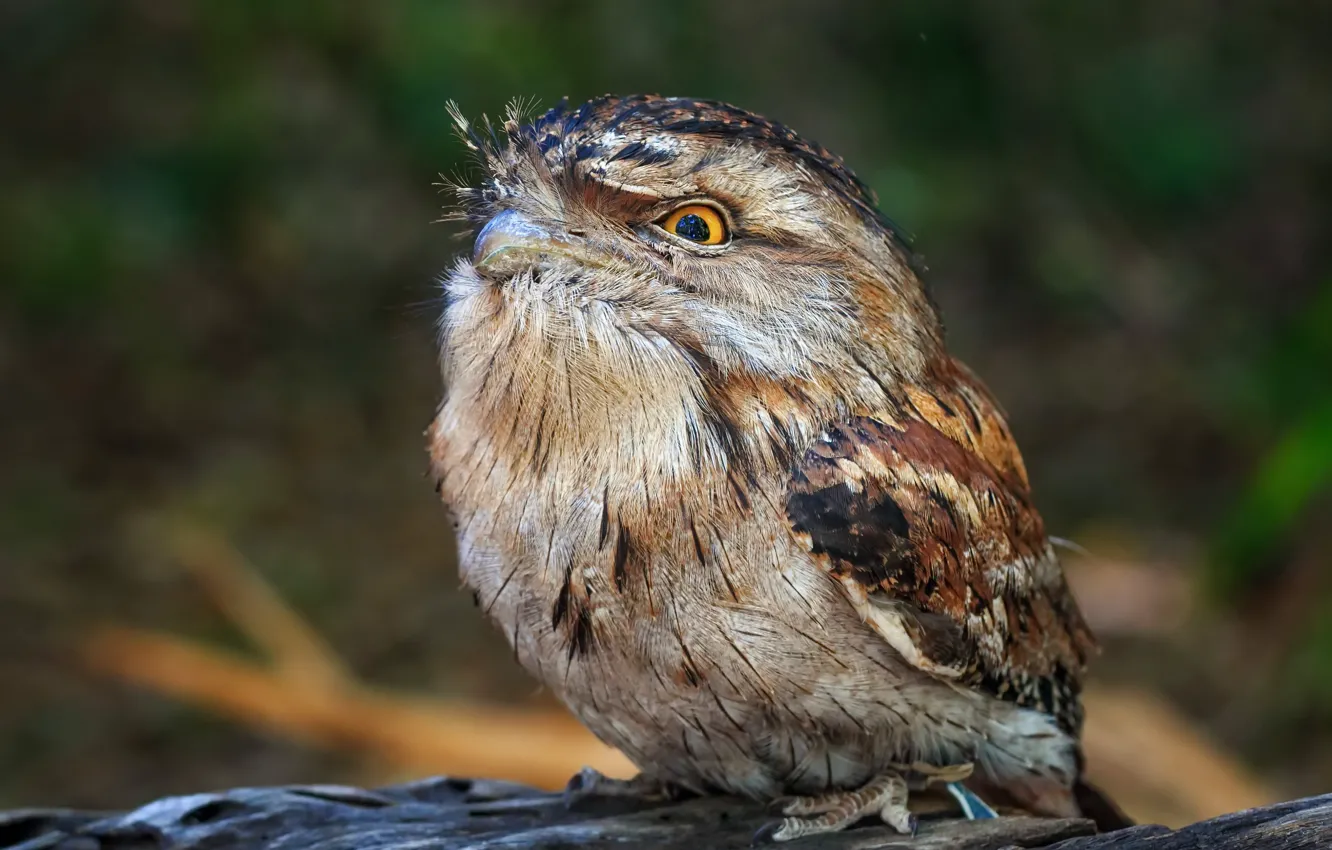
(698, 223)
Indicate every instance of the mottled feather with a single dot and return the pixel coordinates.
(922, 511)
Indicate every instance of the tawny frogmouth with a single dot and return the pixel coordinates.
(721, 485)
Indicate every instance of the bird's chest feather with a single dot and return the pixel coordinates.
(690, 632)
(617, 578)
(687, 627)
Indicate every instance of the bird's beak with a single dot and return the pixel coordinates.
(511, 243)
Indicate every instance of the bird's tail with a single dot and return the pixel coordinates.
(1096, 806)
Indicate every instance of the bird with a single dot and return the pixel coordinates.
(717, 479)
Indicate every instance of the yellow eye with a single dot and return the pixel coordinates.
(698, 223)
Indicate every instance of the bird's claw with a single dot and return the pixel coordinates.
(767, 834)
(972, 806)
(590, 782)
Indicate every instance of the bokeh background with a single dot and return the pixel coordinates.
(217, 296)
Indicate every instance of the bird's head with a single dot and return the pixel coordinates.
(668, 248)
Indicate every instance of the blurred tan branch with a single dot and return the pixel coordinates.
(305, 692)
(1139, 748)
(542, 748)
(298, 652)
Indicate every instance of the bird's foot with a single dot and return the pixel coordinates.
(920, 776)
(885, 795)
(589, 782)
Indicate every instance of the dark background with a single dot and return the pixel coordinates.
(217, 296)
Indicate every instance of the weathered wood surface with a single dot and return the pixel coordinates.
(453, 814)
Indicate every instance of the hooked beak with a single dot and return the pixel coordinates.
(511, 243)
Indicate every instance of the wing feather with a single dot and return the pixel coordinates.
(922, 510)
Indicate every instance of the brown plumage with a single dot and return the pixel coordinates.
(721, 485)
(923, 513)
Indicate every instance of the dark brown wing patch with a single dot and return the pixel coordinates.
(927, 509)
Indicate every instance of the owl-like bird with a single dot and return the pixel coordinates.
(719, 482)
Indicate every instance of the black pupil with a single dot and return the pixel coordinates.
(693, 228)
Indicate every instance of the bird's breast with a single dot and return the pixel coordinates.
(689, 629)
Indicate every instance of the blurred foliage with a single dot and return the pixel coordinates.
(1297, 469)
(217, 296)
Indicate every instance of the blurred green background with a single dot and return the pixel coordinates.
(217, 296)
